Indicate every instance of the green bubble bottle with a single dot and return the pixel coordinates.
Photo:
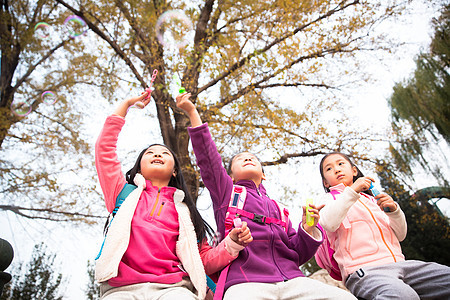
(309, 218)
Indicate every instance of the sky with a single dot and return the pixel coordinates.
(75, 245)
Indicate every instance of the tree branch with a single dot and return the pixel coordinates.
(18, 210)
(243, 61)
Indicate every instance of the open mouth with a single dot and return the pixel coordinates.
(340, 177)
(248, 164)
(157, 162)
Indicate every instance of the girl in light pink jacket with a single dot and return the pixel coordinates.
(365, 233)
(151, 248)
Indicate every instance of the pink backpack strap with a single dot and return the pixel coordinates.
(324, 254)
(235, 206)
(235, 210)
(220, 287)
(284, 216)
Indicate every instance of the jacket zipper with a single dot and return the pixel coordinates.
(272, 238)
(160, 208)
(156, 202)
(381, 232)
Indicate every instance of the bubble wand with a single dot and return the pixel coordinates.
(149, 90)
(181, 89)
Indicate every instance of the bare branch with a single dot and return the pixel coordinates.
(18, 210)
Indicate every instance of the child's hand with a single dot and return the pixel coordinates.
(362, 184)
(386, 201)
(242, 235)
(140, 101)
(184, 103)
(314, 210)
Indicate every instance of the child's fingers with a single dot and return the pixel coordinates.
(304, 209)
(386, 201)
(246, 239)
(244, 235)
(244, 225)
(244, 232)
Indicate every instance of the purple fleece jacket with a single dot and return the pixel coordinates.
(274, 255)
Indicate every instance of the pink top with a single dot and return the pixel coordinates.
(151, 255)
(360, 232)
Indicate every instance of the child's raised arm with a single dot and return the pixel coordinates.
(185, 104)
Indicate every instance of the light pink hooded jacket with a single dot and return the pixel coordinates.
(360, 233)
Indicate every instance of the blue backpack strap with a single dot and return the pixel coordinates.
(126, 190)
(211, 284)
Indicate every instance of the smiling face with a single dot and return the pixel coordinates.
(246, 166)
(157, 164)
(337, 169)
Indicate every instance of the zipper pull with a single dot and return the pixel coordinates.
(160, 208)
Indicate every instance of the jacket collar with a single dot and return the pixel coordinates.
(250, 184)
(150, 186)
(338, 188)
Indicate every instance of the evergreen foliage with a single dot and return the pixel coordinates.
(423, 102)
(37, 281)
(93, 288)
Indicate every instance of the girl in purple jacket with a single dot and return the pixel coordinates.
(269, 267)
(151, 249)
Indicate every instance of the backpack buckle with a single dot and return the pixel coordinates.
(259, 219)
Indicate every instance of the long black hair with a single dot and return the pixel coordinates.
(202, 228)
(347, 158)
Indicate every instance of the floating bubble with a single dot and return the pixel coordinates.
(75, 25)
(42, 30)
(48, 97)
(20, 107)
(174, 28)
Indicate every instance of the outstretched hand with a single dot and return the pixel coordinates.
(140, 101)
(185, 103)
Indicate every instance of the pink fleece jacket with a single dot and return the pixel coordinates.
(151, 254)
(359, 231)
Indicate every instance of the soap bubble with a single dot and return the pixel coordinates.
(48, 97)
(75, 25)
(20, 107)
(42, 30)
(174, 28)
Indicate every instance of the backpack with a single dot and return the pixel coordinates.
(324, 256)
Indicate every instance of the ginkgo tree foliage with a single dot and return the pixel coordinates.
(40, 148)
(240, 61)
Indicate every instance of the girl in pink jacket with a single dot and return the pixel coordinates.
(365, 233)
(151, 246)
